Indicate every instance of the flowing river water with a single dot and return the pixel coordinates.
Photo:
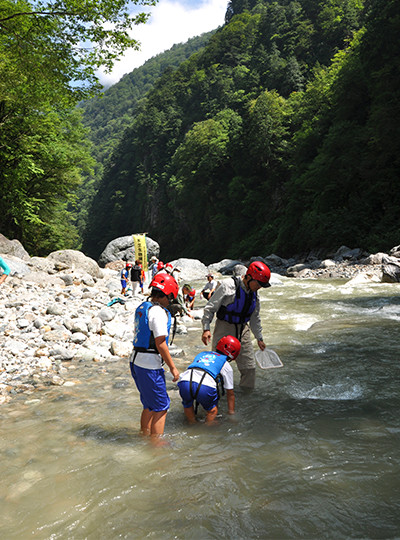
(313, 452)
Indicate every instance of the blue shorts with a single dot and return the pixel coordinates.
(152, 388)
(123, 283)
(207, 396)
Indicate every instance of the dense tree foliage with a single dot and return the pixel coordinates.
(49, 54)
(281, 135)
(110, 113)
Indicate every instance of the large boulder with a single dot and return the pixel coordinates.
(75, 260)
(225, 266)
(17, 267)
(190, 269)
(391, 270)
(395, 252)
(13, 247)
(345, 253)
(123, 248)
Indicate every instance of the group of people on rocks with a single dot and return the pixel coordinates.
(236, 306)
(134, 274)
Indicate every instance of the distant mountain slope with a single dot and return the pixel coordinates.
(109, 115)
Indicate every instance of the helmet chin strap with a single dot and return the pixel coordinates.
(247, 281)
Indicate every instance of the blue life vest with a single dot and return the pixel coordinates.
(211, 362)
(144, 339)
(239, 312)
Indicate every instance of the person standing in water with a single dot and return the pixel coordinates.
(208, 376)
(236, 305)
(152, 326)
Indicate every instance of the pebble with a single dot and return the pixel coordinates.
(46, 327)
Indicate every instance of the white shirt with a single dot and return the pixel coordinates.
(226, 372)
(158, 324)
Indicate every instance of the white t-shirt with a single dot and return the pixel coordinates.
(226, 372)
(158, 324)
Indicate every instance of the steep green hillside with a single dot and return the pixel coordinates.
(108, 115)
(278, 136)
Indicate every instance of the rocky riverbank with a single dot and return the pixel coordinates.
(57, 312)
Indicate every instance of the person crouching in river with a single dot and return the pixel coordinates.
(209, 372)
(152, 326)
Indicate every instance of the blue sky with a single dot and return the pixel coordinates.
(171, 21)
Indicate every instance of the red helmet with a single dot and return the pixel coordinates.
(160, 265)
(168, 267)
(230, 346)
(260, 272)
(128, 265)
(165, 283)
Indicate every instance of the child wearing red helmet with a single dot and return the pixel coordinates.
(125, 276)
(152, 326)
(209, 372)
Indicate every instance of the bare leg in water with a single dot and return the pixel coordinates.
(152, 424)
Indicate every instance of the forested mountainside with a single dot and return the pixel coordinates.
(109, 114)
(281, 135)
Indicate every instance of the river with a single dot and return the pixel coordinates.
(312, 453)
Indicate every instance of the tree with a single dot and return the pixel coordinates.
(49, 54)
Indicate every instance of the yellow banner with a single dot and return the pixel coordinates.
(141, 249)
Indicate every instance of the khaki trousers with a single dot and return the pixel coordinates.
(245, 362)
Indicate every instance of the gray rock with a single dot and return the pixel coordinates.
(78, 337)
(43, 279)
(95, 325)
(67, 279)
(76, 260)
(293, 270)
(13, 247)
(239, 270)
(191, 269)
(224, 267)
(55, 309)
(346, 253)
(122, 248)
(391, 272)
(106, 314)
(17, 267)
(395, 252)
(60, 353)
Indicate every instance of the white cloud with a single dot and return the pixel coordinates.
(171, 22)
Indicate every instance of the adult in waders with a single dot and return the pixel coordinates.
(152, 326)
(236, 305)
(207, 377)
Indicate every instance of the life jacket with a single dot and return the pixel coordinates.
(191, 296)
(211, 362)
(239, 312)
(136, 273)
(144, 340)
